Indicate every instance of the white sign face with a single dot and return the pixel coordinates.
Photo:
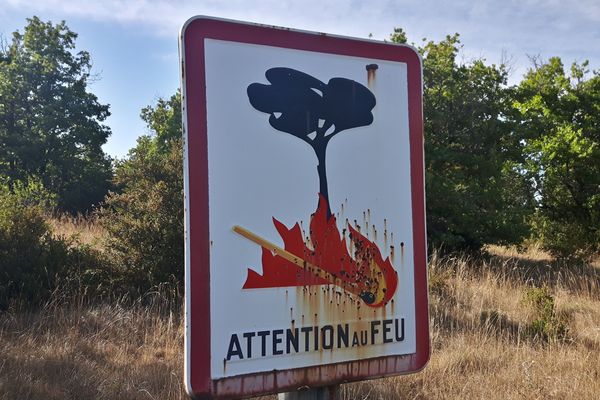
(258, 173)
(308, 178)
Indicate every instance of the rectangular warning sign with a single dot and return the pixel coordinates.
(305, 209)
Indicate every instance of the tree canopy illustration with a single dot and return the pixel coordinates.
(311, 110)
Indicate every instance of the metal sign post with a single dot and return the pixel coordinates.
(305, 221)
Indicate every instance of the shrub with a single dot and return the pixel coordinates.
(34, 263)
(144, 222)
(27, 193)
(144, 219)
(567, 239)
(546, 325)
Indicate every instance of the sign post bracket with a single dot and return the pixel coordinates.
(321, 393)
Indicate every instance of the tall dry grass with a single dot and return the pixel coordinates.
(124, 350)
(85, 228)
(481, 347)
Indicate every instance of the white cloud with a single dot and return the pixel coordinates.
(165, 17)
(488, 28)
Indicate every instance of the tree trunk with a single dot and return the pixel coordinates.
(321, 169)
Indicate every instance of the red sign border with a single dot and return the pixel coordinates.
(198, 379)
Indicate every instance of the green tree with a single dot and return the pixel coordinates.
(560, 118)
(475, 192)
(144, 220)
(50, 124)
(164, 120)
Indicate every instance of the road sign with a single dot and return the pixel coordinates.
(305, 222)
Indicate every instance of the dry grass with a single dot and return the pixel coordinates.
(479, 341)
(92, 352)
(86, 229)
(480, 349)
(533, 252)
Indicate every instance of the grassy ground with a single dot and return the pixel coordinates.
(494, 336)
(84, 352)
(483, 346)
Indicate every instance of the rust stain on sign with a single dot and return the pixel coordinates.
(371, 72)
(275, 381)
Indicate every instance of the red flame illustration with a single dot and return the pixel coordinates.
(326, 259)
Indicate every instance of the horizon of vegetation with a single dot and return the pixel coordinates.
(505, 165)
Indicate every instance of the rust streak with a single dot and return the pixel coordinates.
(371, 73)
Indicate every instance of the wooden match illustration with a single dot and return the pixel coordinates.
(371, 291)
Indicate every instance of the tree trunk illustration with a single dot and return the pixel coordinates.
(322, 171)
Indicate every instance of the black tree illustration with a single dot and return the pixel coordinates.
(311, 110)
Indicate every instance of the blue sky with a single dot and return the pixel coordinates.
(134, 43)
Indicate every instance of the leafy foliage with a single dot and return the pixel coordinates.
(164, 119)
(144, 220)
(33, 263)
(475, 192)
(28, 193)
(50, 124)
(560, 123)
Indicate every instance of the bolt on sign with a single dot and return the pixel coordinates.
(305, 224)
